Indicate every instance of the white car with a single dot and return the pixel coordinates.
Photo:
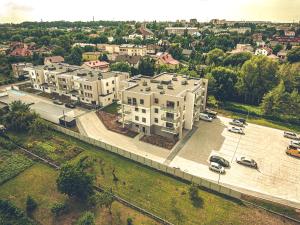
(236, 130)
(216, 167)
(295, 144)
(291, 135)
(236, 123)
(205, 117)
(246, 162)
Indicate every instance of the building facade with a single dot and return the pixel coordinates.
(89, 86)
(165, 104)
(18, 69)
(181, 30)
(132, 50)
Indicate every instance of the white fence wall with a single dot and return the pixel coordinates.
(150, 163)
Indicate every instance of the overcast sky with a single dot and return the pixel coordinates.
(204, 10)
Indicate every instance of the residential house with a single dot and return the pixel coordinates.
(263, 51)
(110, 49)
(146, 33)
(90, 86)
(181, 30)
(242, 48)
(187, 53)
(131, 50)
(131, 60)
(18, 69)
(82, 45)
(96, 65)
(91, 56)
(152, 49)
(164, 58)
(164, 105)
(289, 33)
(53, 59)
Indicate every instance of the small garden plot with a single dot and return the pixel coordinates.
(55, 149)
(11, 164)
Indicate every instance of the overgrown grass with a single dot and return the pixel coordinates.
(112, 108)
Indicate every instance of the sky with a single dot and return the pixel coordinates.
(17, 11)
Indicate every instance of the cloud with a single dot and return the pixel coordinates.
(15, 13)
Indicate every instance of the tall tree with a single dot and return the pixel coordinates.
(146, 66)
(215, 57)
(294, 55)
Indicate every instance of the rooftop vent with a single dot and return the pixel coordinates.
(184, 82)
(166, 82)
(160, 86)
(162, 92)
(154, 81)
(175, 79)
(148, 89)
(170, 86)
(145, 83)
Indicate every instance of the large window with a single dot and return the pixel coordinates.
(142, 101)
(136, 118)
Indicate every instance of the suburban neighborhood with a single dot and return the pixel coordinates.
(140, 121)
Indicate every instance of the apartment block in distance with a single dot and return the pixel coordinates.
(163, 105)
(89, 86)
(132, 50)
(181, 30)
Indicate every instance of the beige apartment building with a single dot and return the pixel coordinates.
(165, 104)
(181, 30)
(89, 86)
(132, 50)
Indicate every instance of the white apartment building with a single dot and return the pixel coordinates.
(164, 104)
(181, 30)
(89, 86)
(132, 50)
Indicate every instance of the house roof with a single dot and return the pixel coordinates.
(96, 63)
(129, 59)
(167, 58)
(55, 59)
(21, 52)
(186, 52)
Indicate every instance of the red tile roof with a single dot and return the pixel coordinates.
(166, 58)
(21, 52)
(97, 63)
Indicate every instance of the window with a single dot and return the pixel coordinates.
(134, 101)
(156, 100)
(156, 110)
(113, 89)
(113, 82)
(136, 118)
(129, 101)
(142, 101)
(136, 109)
(106, 83)
(107, 91)
(155, 120)
(144, 120)
(143, 110)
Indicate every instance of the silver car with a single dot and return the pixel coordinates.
(291, 135)
(236, 130)
(295, 144)
(216, 167)
(236, 123)
(246, 162)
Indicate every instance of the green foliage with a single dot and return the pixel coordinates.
(194, 195)
(176, 51)
(106, 199)
(7, 144)
(290, 74)
(146, 66)
(75, 57)
(294, 55)
(87, 218)
(237, 59)
(258, 76)
(31, 205)
(120, 66)
(19, 117)
(129, 221)
(74, 181)
(277, 48)
(223, 82)
(215, 57)
(59, 208)
(39, 126)
(11, 164)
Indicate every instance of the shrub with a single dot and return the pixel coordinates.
(31, 204)
(129, 221)
(59, 208)
(86, 219)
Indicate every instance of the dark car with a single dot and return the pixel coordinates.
(70, 105)
(242, 120)
(220, 160)
(211, 113)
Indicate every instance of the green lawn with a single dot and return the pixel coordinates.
(112, 108)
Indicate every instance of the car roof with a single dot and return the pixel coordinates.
(288, 132)
(214, 164)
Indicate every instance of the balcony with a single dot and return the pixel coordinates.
(170, 119)
(171, 130)
(169, 109)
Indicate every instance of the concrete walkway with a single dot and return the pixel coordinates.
(92, 126)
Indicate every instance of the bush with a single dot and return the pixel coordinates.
(86, 219)
(129, 221)
(194, 195)
(31, 205)
(59, 208)
(7, 144)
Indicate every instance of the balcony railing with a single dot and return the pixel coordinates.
(169, 108)
(172, 130)
(170, 119)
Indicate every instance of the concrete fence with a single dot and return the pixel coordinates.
(153, 164)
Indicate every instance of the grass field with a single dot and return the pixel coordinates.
(152, 190)
(39, 181)
(112, 108)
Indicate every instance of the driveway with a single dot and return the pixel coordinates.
(278, 176)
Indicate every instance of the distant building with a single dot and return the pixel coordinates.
(152, 49)
(193, 21)
(218, 22)
(20, 49)
(53, 59)
(96, 65)
(242, 48)
(289, 33)
(82, 45)
(257, 37)
(110, 49)
(146, 33)
(164, 58)
(130, 60)
(187, 53)
(91, 56)
(18, 69)
(4, 49)
(181, 30)
(132, 50)
(263, 51)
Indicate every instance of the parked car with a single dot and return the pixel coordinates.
(211, 113)
(236, 130)
(246, 162)
(220, 160)
(292, 151)
(295, 144)
(291, 135)
(57, 102)
(205, 117)
(70, 105)
(242, 120)
(216, 167)
(236, 122)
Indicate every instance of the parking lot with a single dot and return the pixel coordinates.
(277, 177)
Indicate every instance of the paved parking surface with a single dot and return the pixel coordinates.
(278, 176)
